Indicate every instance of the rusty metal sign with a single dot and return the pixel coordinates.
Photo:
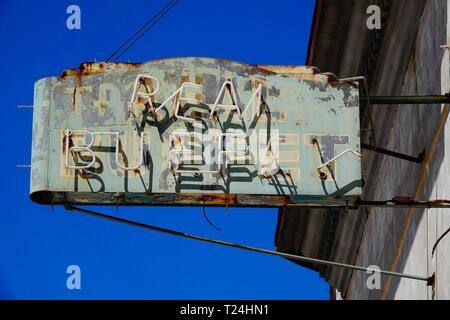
(195, 131)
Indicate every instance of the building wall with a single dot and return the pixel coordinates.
(401, 239)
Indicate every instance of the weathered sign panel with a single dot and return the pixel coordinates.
(195, 131)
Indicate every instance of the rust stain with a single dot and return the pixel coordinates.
(141, 100)
(300, 72)
(92, 68)
(64, 139)
(199, 80)
(229, 199)
(74, 97)
(183, 78)
(219, 199)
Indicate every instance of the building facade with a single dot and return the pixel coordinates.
(408, 55)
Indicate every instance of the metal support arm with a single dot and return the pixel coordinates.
(418, 159)
(397, 100)
(401, 100)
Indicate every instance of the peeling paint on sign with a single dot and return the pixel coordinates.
(191, 131)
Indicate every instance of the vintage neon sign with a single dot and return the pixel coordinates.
(269, 165)
(185, 131)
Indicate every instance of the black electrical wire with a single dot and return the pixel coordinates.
(158, 16)
(439, 240)
(69, 207)
(207, 219)
(142, 28)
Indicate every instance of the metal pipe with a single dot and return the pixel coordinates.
(438, 204)
(418, 159)
(400, 100)
(243, 247)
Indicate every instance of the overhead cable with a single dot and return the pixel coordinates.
(144, 29)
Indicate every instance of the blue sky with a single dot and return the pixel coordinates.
(117, 261)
